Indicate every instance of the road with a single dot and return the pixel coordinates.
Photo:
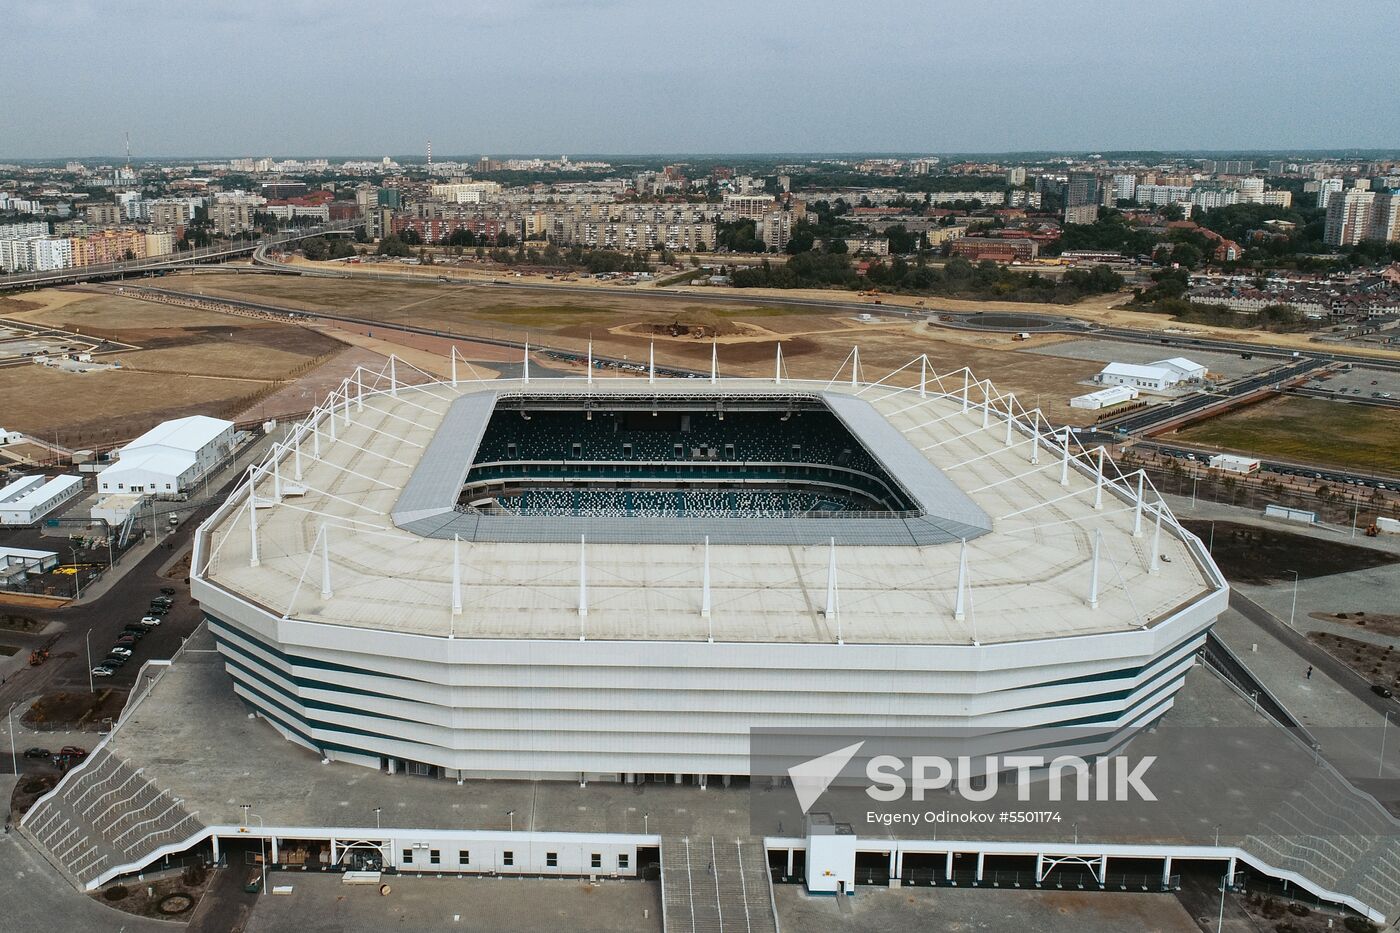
(217, 253)
(1140, 421)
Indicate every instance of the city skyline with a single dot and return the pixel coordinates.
(550, 77)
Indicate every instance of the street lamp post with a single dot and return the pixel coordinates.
(1225, 883)
(1294, 610)
(262, 829)
(1380, 763)
(87, 640)
(511, 814)
(376, 818)
(14, 759)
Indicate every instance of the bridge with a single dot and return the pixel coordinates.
(219, 252)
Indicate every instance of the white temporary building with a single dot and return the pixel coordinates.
(1104, 398)
(29, 499)
(169, 458)
(1157, 376)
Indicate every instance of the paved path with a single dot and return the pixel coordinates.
(36, 900)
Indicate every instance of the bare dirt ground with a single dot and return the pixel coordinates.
(1102, 309)
(1380, 664)
(186, 362)
(815, 342)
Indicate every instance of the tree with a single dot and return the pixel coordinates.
(801, 240)
(392, 245)
(411, 237)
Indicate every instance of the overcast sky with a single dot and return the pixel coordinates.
(341, 77)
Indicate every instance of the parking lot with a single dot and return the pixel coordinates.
(1361, 383)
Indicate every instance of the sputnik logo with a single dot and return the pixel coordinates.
(811, 778)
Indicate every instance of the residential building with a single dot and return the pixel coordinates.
(23, 231)
(102, 214)
(775, 229)
(1385, 217)
(36, 254)
(1348, 217)
(170, 212)
(739, 206)
(867, 246)
(228, 217)
(108, 246)
(1082, 196)
(1326, 187)
(159, 243)
(1015, 177)
(1124, 187)
(468, 192)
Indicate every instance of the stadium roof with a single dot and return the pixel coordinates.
(428, 503)
(388, 456)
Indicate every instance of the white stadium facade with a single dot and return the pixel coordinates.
(617, 579)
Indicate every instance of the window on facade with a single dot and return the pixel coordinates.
(507, 858)
(434, 857)
(551, 859)
(464, 857)
(408, 856)
(622, 861)
(596, 860)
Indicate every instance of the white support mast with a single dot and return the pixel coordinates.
(714, 362)
(360, 389)
(1155, 557)
(923, 375)
(452, 354)
(1094, 572)
(1064, 460)
(1010, 404)
(833, 597)
(651, 363)
(855, 366)
(705, 590)
(393, 375)
(967, 388)
(582, 582)
(590, 362)
(1137, 506)
(986, 404)
(1098, 481)
(253, 517)
(527, 361)
(325, 562)
(778, 366)
(960, 603)
(456, 575)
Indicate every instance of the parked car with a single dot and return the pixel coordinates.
(157, 610)
(102, 670)
(167, 591)
(1381, 690)
(113, 661)
(136, 630)
(150, 621)
(73, 751)
(121, 651)
(126, 641)
(162, 599)
(36, 752)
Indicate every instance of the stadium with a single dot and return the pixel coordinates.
(616, 579)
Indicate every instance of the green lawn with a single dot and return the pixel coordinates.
(1364, 437)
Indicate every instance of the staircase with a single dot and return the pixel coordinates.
(709, 885)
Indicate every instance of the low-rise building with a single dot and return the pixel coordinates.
(28, 500)
(1152, 377)
(170, 458)
(997, 249)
